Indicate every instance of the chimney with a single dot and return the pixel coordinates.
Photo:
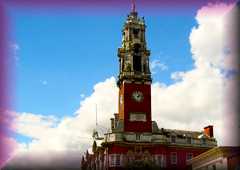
(112, 123)
(208, 131)
(116, 117)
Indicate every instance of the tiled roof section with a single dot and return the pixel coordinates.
(176, 132)
(184, 133)
(166, 132)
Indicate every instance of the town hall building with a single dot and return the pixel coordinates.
(135, 140)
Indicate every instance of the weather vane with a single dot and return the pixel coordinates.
(133, 6)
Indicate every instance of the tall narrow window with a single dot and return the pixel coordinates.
(138, 137)
(173, 139)
(203, 140)
(137, 63)
(118, 160)
(189, 156)
(161, 160)
(189, 140)
(112, 160)
(136, 48)
(173, 158)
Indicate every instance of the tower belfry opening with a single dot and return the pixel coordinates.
(137, 64)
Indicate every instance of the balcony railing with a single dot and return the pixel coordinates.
(156, 138)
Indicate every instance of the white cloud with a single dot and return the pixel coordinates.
(73, 134)
(69, 134)
(14, 51)
(207, 38)
(82, 95)
(177, 75)
(35, 126)
(194, 101)
(208, 45)
(191, 103)
(156, 64)
(8, 146)
(44, 82)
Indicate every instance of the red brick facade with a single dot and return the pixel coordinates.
(130, 106)
(155, 150)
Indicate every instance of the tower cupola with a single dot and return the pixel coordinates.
(133, 54)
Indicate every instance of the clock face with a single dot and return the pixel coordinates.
(137, 96)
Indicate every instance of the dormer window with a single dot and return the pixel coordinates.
(138, 137)
(203, 141)
(173, 139)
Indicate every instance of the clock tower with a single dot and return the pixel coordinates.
(134, 78)
(135, 141)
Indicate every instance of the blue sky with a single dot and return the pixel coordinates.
(63, 55)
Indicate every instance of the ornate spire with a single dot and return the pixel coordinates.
(133, 54)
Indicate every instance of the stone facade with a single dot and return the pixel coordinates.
(218, 158)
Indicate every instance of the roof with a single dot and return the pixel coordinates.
(184, 133)
(216, 152)
(155, 129)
